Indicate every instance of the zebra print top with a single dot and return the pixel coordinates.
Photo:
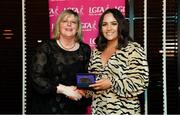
(128, 71)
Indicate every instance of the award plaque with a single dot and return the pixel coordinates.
(85, 79)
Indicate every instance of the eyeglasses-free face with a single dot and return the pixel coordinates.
(68, 26)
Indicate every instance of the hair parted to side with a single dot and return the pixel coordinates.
(123, 30)
(65, 13)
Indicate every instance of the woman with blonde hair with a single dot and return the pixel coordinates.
(55, 65)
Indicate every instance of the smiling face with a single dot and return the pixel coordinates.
(110, 27)
(68, 26)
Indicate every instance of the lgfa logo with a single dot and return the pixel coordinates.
(87, 26)
(97, 10)
(100, 10)
(78, 10)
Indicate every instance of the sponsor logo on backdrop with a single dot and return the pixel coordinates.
(89, 11)
(56, 11)
(91, 41)
(87, 26)
(97, 10)
(78, 10)
(53, 11)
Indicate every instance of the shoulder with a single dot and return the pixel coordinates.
(46, 45)
(134, 49)
(47, 42)
(133, 46)
(85, 46)
(95, 51)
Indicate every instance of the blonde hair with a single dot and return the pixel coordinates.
(56, 32)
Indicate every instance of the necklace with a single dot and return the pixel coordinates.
(61, 45)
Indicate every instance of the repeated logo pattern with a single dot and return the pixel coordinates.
(89, 11)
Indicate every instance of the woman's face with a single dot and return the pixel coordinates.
(110, 27)
(68, 26)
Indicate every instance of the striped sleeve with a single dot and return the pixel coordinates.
(135, 78)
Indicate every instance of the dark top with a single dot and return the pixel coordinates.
(52, 66)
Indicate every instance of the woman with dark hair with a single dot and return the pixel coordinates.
(122, 30)
(120, 66)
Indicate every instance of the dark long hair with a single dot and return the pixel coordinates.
(123, 30)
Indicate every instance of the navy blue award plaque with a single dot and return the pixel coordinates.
(85, 79)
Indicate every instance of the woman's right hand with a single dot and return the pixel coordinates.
(69, 91)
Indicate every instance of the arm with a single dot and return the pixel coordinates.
(135, 79)
(39, 76)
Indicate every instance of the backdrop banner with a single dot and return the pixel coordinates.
(89, 11)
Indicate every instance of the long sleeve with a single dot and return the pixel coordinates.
(39, 75)
(134, 78)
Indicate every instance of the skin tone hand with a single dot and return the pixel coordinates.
(82, 92)
(101, 84)
(72, 98)
(76, 90)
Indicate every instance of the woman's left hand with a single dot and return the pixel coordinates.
(101, 84)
